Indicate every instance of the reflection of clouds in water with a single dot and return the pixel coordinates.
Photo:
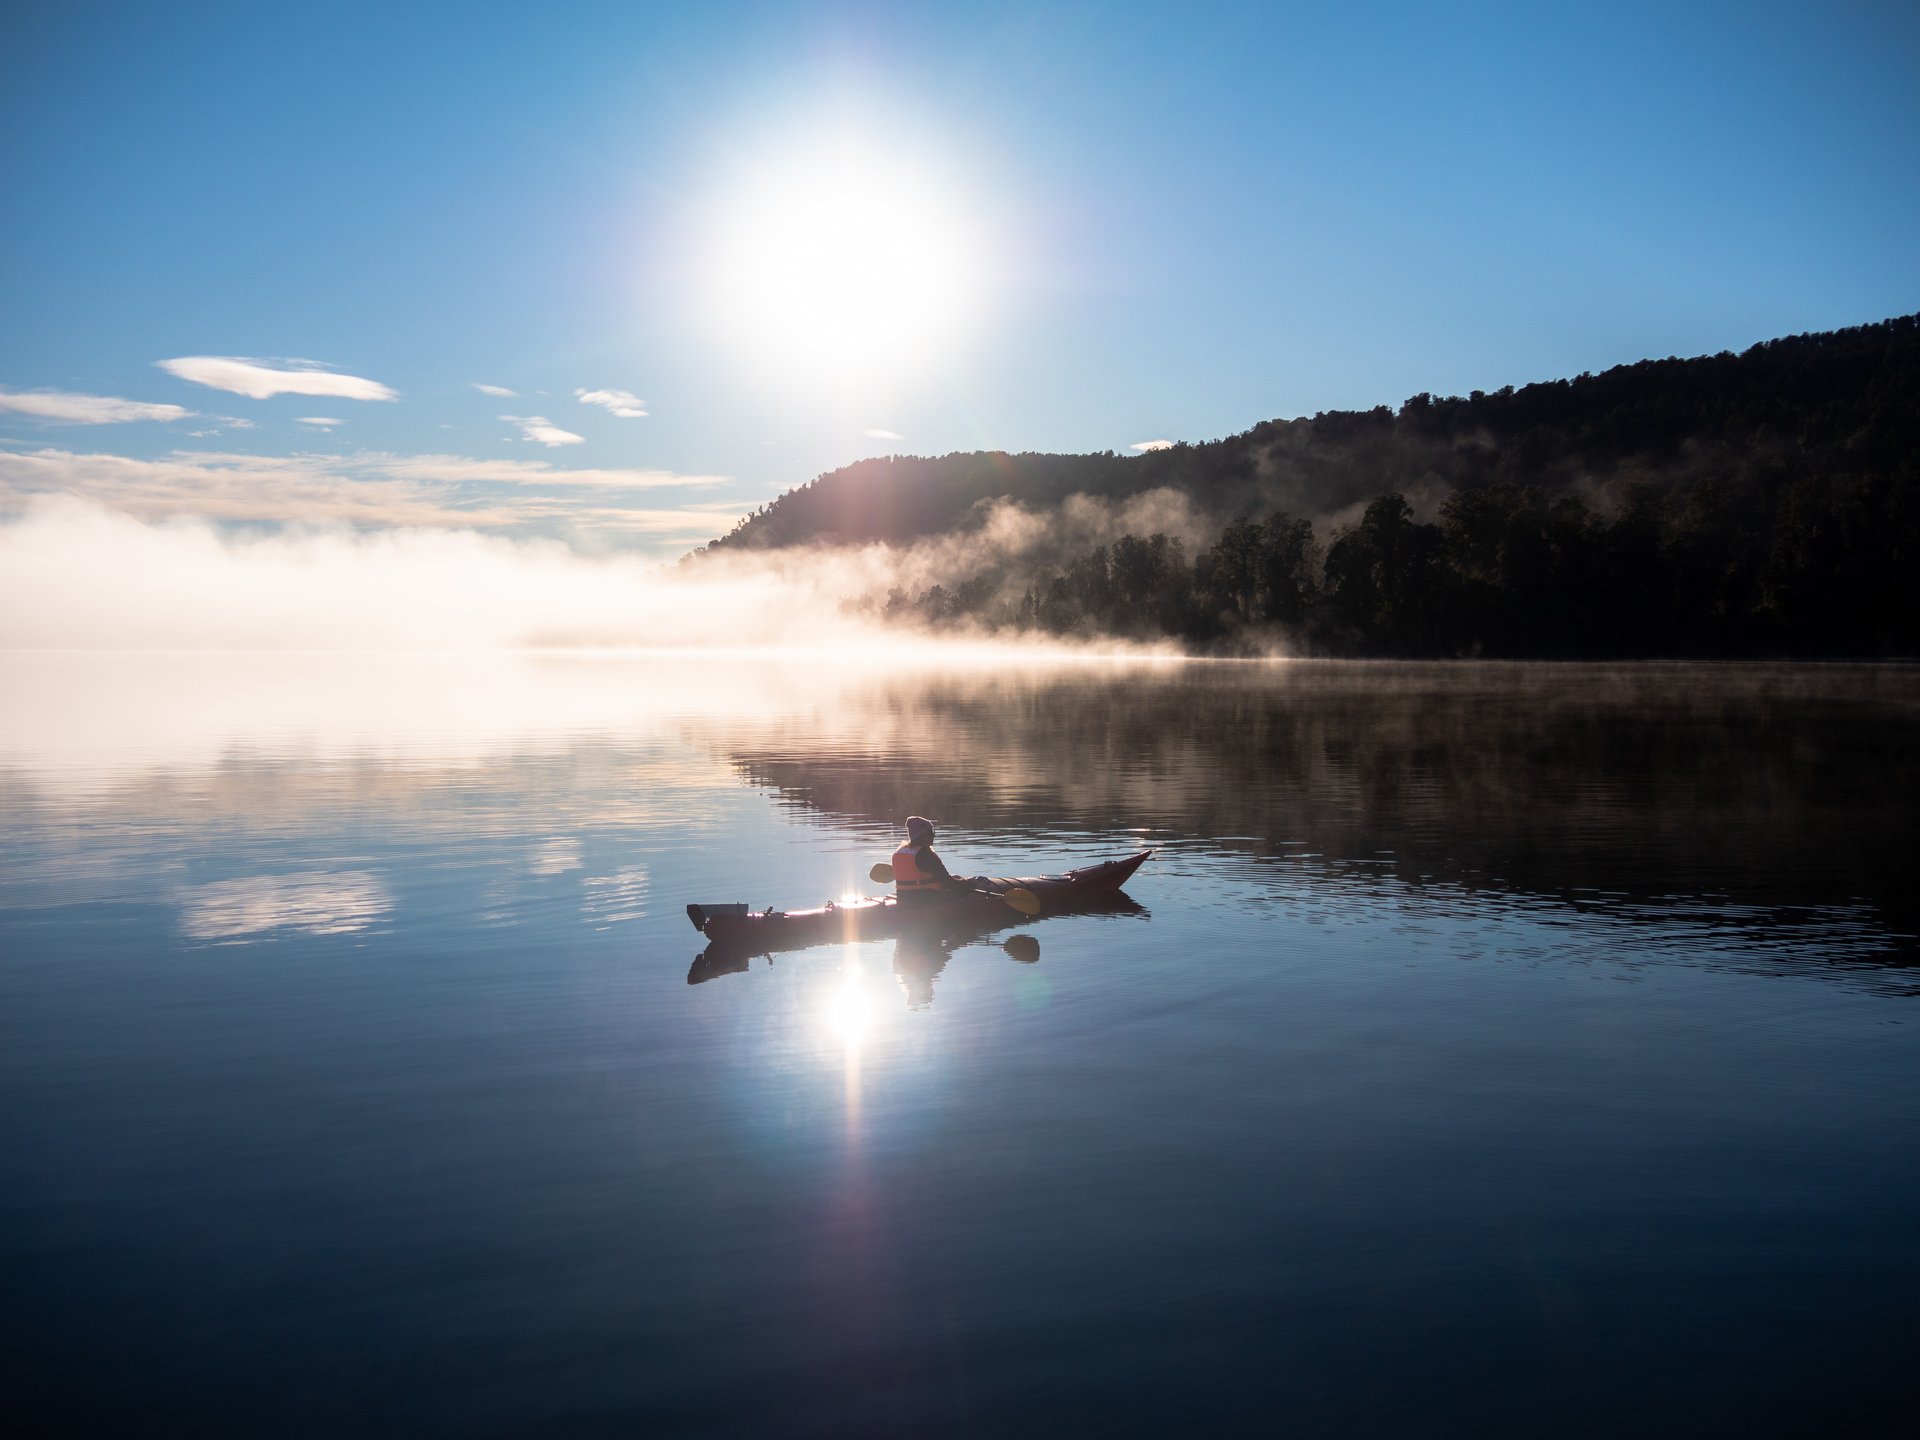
(612, 899)
(125, 838)
(318, 902)
(496, 902)
(556, 857)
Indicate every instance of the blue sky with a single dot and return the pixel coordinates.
(1174, 221)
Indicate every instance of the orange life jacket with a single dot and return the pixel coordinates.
(908, 877)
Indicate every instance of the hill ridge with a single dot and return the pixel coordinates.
(1756, 503)
(1645, 409)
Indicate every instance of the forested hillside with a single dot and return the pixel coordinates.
(1752, 504)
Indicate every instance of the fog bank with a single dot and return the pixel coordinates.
(75, 575)
(78, 576)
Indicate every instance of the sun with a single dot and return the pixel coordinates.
(843, 262)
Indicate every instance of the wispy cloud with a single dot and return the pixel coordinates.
(458, 468)
(680, 524)
(499, 392)
(542, 431)
(222, 424)
(368, 489)
(1145, 445)
(68, 408)
(260, 382)
(325, 422)
(878, 434)
(615, 402)
(299, 489)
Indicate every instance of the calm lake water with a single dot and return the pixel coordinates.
(1493, 1049)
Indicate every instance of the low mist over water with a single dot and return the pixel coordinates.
(1537, 1037)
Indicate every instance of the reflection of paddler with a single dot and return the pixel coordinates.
(917, 871)
(916, 960)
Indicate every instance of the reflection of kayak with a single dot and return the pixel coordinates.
(912, 937)
(757, 931)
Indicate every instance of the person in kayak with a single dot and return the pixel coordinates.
(918, 873)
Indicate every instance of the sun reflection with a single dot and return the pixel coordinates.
(849, 1016)
(849, 1009)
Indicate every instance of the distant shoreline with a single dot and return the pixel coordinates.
(1748, 506)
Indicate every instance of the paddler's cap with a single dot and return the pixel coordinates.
(919, 827)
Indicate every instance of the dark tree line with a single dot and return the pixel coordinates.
(1502, 571)
(1752, 504)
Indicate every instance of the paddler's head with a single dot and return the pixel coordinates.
(920, 830)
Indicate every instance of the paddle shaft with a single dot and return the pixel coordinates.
(1019, 897)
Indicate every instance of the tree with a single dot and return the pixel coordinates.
(1384, 580)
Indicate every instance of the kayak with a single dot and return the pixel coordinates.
(739, 928)
(924, 941)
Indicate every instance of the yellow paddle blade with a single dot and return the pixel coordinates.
(881, 874)
(1023, 900)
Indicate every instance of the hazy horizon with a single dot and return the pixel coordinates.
(617, 281)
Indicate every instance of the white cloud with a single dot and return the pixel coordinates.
(67, 408)
(224, 424)
(259, 382)
(499, 392)
(877, 434)
(542, 431)
(301, 489)
(1145, 445)
(458, 468)
(325, 422)
(366, 488)
(623, 403)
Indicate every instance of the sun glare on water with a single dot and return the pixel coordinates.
(848, 1011)
(845, 263)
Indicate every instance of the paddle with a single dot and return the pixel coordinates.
(1019, 897)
